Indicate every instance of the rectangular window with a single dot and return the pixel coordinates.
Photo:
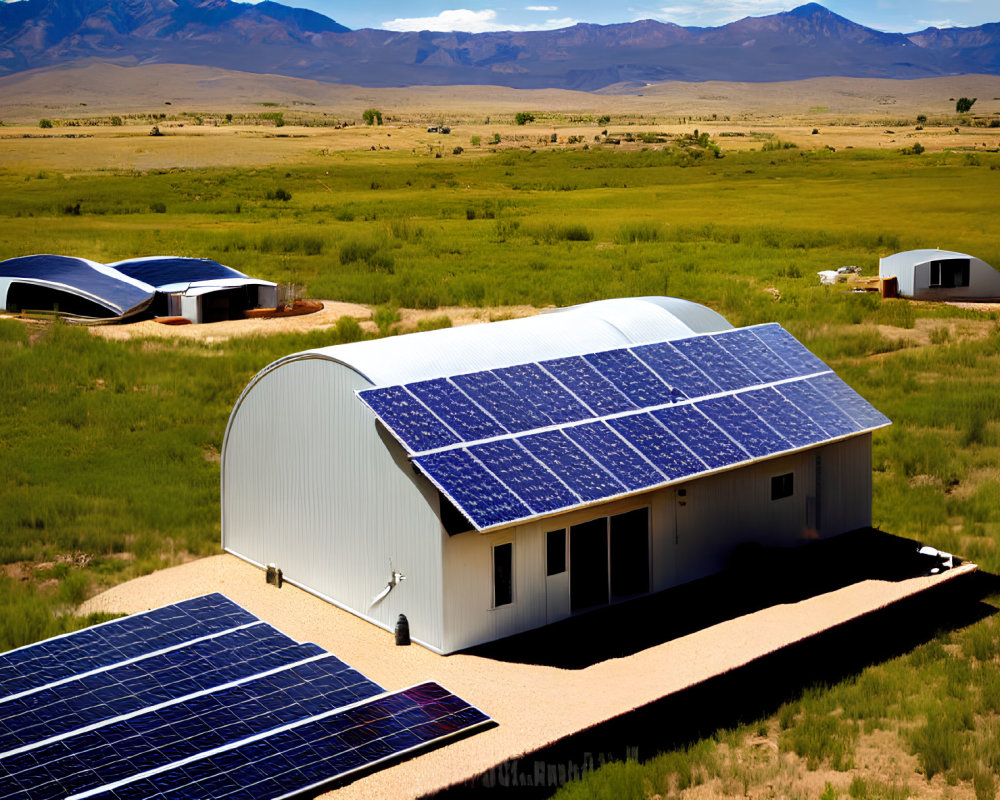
(555, 552)
(782, 486)
(503, 574)
(950, 273)
(630, 553)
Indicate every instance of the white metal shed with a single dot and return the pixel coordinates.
(940, 275)
(328, 471)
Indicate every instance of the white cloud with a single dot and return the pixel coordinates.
(462, 19)
(719, 12)
(541, 8)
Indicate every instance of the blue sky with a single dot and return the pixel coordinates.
(898, 16)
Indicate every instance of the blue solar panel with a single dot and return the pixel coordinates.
(713, 360)
(580, 472)
(408, 419)
(624, 420)
(163, 734)
(849, 401)
(65, 656)
(658, 444)
(456, 410)
(591, 387)
(757, 357)
(701, 435)
(500, 402)
(789, 349)
(785, 418)
(538, 388)
(115, 691)
(818, 407)
(308, 755)
(675, 370)
(480, 496)
(632, 377)
(525, 476)
(752, 433)
(611, 452)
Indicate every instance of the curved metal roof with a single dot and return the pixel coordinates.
(121, 294)
(600, 325)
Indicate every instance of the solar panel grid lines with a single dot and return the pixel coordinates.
(94, 700)
(590, 386)
(541, 389)
(98, 670)
(408, 418)
(456, 409)
(624, 420)
(175, 729)
(523, 475)
(307, 754)
(471, 487)
(64, 656)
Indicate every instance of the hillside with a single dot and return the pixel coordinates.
(270, 38)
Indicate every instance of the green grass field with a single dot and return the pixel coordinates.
(110, 452)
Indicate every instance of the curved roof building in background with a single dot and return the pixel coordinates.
(74, 287)
(198, 289)
(940, 275)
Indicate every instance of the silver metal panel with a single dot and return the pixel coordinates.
(912, 272)
(587, 328)
(309, 484)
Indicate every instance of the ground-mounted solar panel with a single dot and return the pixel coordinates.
(179, 718)
(599, 425)
(308, 754)
(146, 681)
(119, 640)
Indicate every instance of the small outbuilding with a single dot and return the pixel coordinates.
(940, 275)
(490, 479)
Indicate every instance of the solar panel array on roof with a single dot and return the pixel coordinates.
(201, 699)
(511, 444)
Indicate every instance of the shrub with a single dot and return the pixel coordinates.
(434, 323)
(921, 119)
(495, 139)
(457, 150)
(44, 123)
(347, 329)
(964, 104)
(524, 117)
(475, 141)
(279, 194)
(372, 116)
(636, 232)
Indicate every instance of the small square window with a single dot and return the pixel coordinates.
(782, 486)
(503, 574)
(555, 552)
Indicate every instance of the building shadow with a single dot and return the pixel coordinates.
(751, 692)
(756, 578)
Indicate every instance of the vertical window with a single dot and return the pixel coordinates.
(555, 552)
(630, 553)
(782, 486)
(503, 574)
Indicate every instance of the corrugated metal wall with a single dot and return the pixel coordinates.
(309, 484)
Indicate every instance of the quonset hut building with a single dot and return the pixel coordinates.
(940, 275)
(522, 471)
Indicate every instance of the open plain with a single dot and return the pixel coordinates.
(730, 195)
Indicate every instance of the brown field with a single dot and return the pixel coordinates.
(846, 112)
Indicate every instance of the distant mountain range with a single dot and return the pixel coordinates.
(271, 38)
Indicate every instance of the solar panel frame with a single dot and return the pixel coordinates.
(537, 387)
(612, 452)
(751, 432)
(526, 477)
(711, 358)
(675, 370)
(455, 409)
(643, 387)
(593, 389)
(499, 401)
(409, 419)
